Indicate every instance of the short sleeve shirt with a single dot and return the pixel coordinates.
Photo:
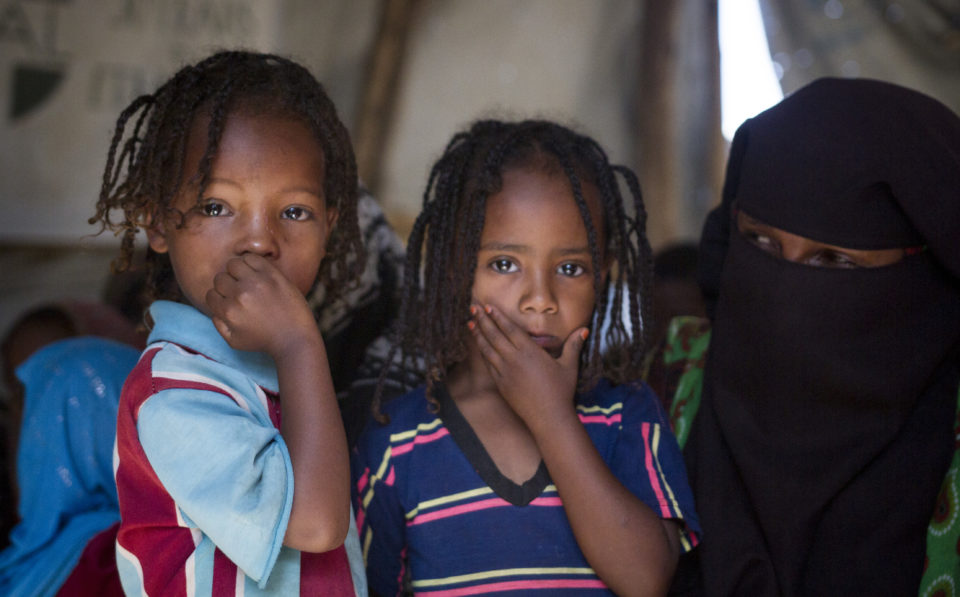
(429, 498)
(204, 478)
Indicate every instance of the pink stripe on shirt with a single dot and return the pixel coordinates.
(517, 585)
(362, 481)
(652, 473)
(604, 419)
(420, 439)
(479, 505)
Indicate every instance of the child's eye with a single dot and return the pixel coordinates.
(213, 208)
(571, 269)
(503, 266)
(297, 213)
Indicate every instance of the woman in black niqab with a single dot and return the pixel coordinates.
(827, 420)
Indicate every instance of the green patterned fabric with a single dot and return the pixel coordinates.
(676, 373)
(941, 576)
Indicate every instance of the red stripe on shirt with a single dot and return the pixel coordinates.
(326, 573)
(224, 575)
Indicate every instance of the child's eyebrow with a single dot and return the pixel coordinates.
(510, 248)
(574, 251)
(515, 248)
(226, 181)
(318, 191)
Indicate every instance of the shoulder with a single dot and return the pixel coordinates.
(409, 405)
(179, 365)
(405, 417)
(403, 411)
(634, 401)
(178, 375)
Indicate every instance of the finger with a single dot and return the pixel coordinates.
(490, 355)
(570, 357)
(224, 284)
(223, 328)
(238, 267)
(502, 326)
(487, 328)
(214, 299)
(257, 263)
(221, 306)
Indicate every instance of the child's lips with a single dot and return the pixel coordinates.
(549, 343)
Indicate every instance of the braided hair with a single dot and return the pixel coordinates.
(442, 249)
(145, 162)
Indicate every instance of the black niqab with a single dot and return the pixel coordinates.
(827, 418)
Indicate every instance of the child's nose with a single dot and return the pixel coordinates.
(539, 296)
(257, 236)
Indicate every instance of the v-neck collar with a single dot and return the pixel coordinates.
(471, 446)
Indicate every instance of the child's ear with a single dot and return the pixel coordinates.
(332, 215)
(156, 236)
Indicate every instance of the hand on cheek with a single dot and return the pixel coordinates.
(255, 307)
(532, 382)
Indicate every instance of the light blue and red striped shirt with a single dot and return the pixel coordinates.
(204, 478)
(431, 503)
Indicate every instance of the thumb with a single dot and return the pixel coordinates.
(570, 357)
(223, 328)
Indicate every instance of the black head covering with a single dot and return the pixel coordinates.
(827, 417)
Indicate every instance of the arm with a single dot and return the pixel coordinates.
(632, 549)
(255, 307)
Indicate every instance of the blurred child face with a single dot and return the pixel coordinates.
(265, 196)
(534, 260)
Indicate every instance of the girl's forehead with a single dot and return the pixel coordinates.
(529, 198)
(268, 109)
(549, 185)
(248, 140)
(254, 121)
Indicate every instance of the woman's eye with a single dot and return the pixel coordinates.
(503, 266)
(212, 209)
(762, 241)
(828, 258)
(297, 213)
(571, 269)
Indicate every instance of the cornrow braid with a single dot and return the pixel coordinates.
(145, 162)
(441, 260)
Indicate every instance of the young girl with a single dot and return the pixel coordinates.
(533, 459)
(243, 178)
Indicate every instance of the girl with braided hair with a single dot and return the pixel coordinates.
(243, 177)
(532, 459)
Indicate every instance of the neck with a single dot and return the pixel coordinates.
(470, 377)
